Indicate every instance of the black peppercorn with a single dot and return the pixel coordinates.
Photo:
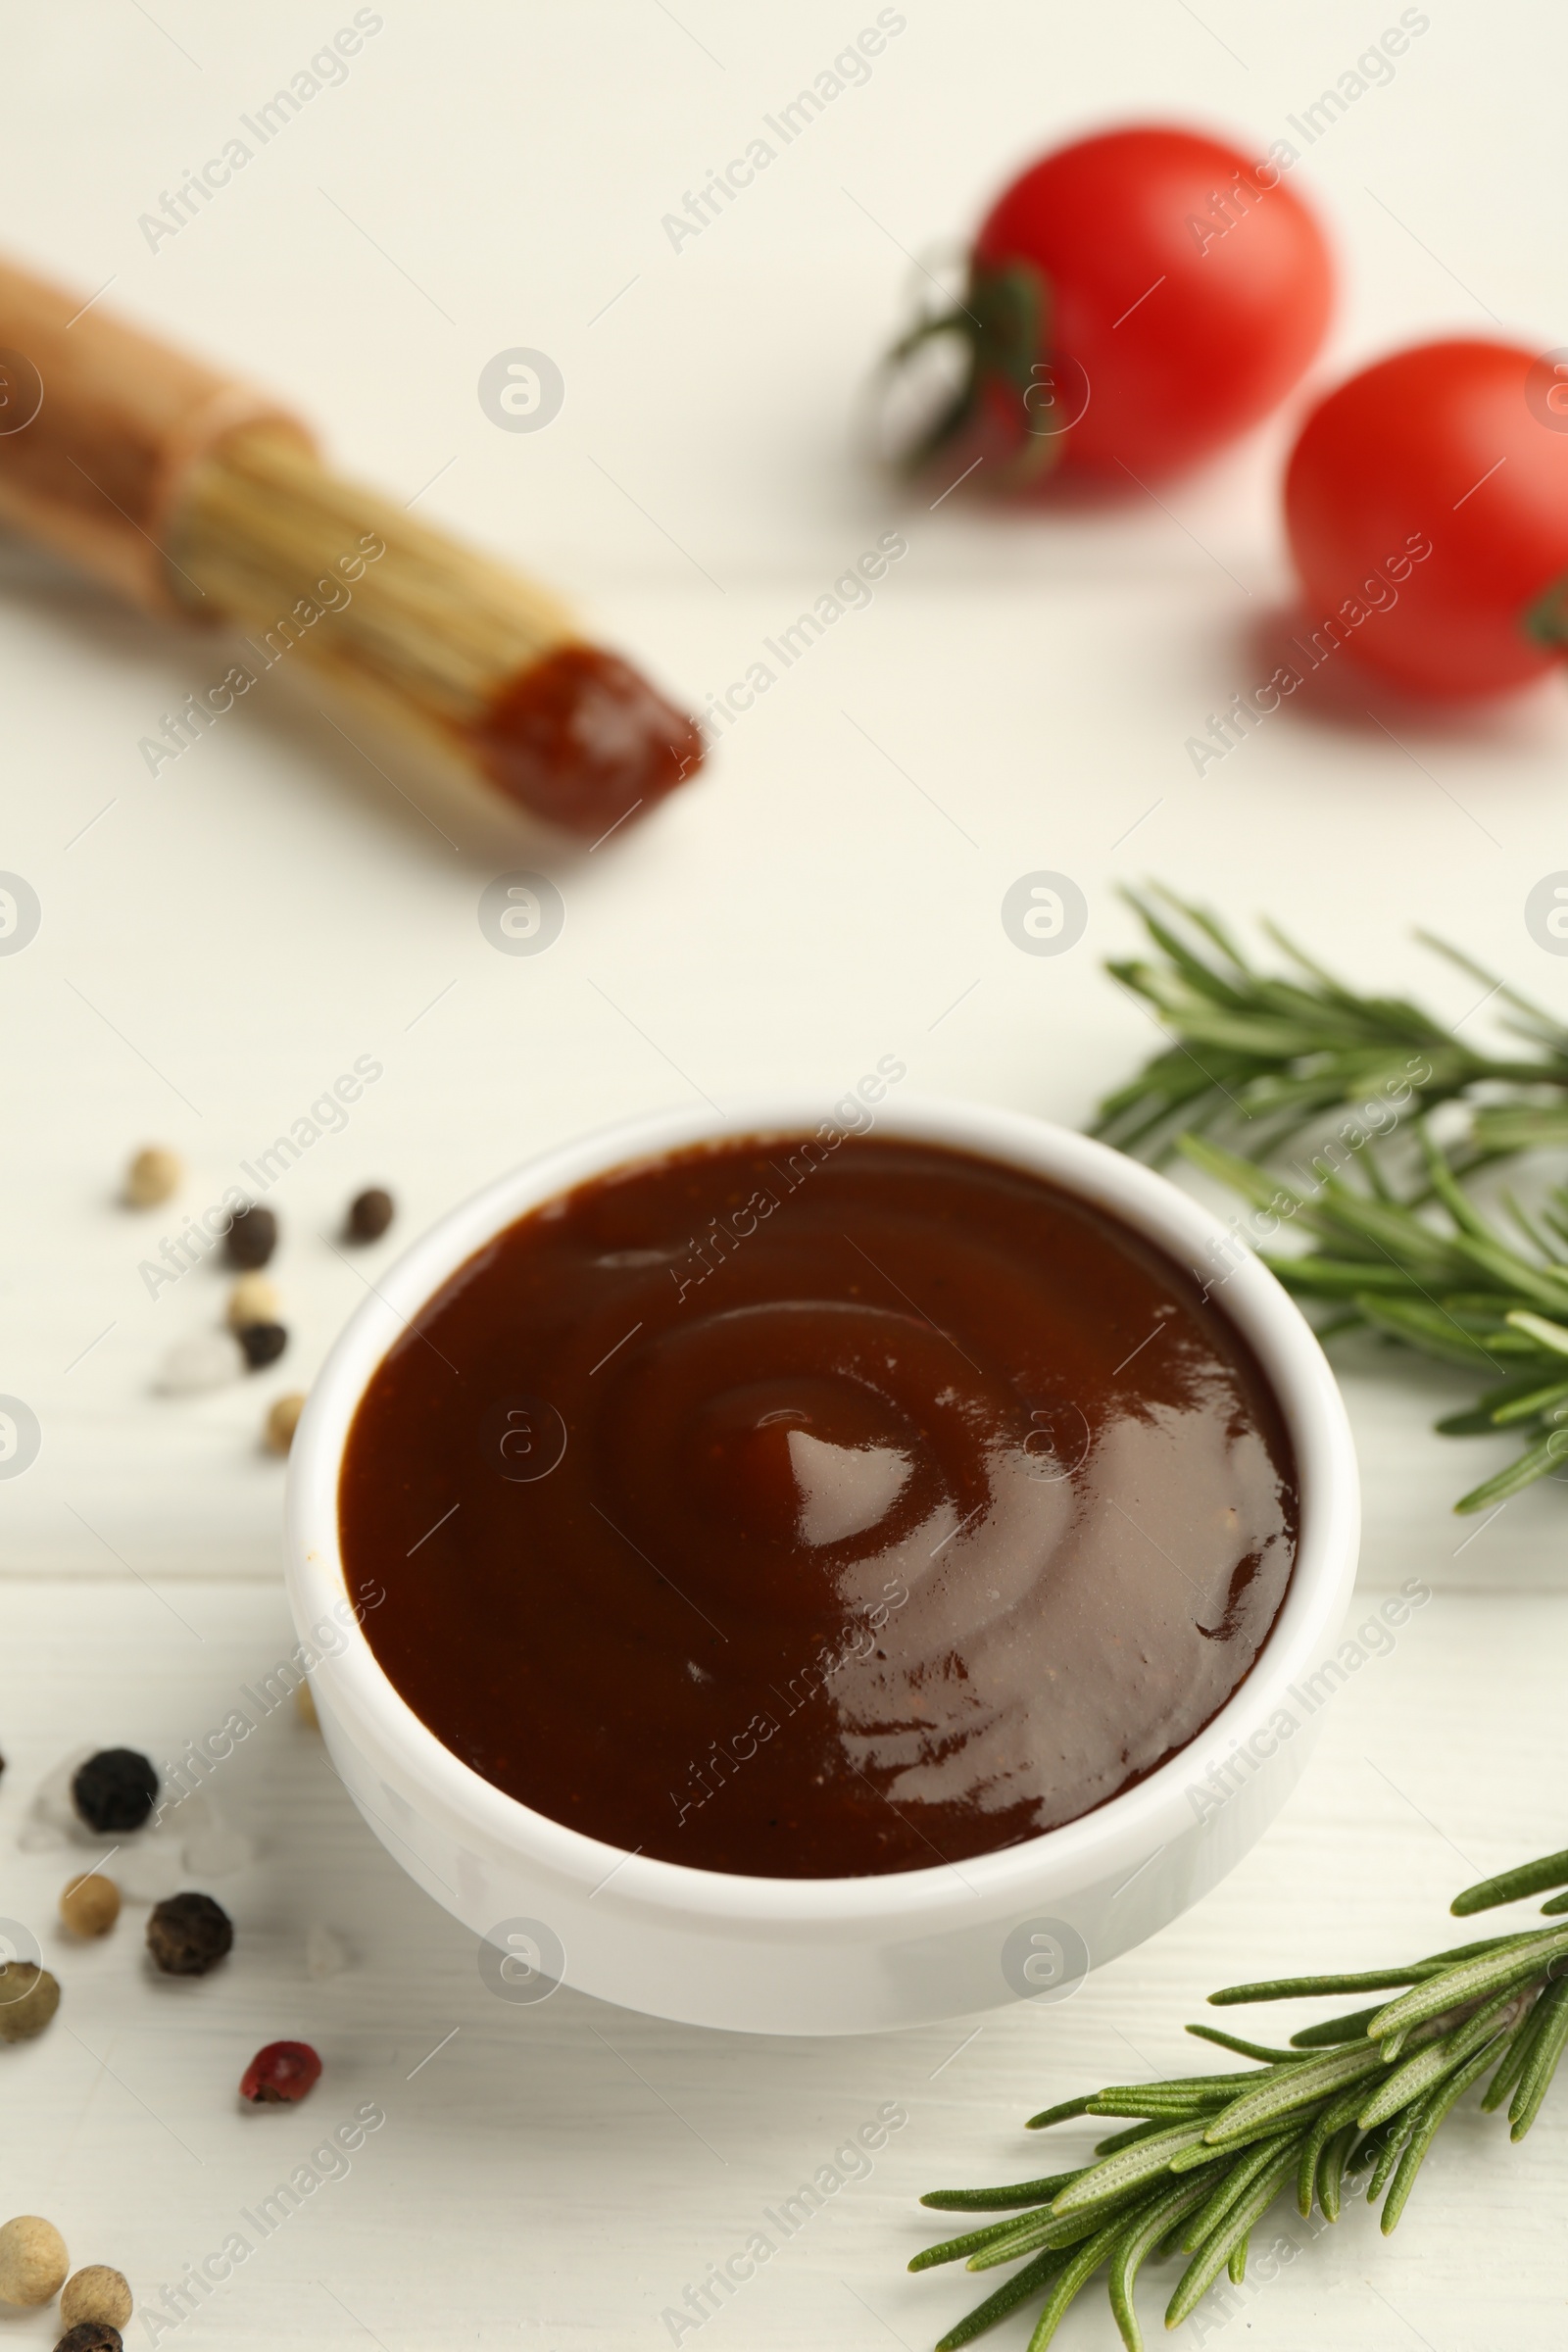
(263, 1342)
(116, 1789)
(187, 1933)
(252, 1237)
(369, 1215)
(91, 2336)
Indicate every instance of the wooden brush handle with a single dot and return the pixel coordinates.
(99, 429)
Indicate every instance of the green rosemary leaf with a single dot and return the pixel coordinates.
(1191, 2159)
(1493, 1403)
(1382, 2149)
(1513, 2063)
(1558, 1903)
(1114, 2176)
(999, 2200)
(1049, 2230)
(1534, 1462)
(1006, 2298)
(1425, 2122)
(1301, 2086)
(1080, 2269)
(1515, 1273)
(1233, 2185)
(1434, 1330)
(1352, 2028)
(1546, 2044)
(1475, 1422)
(1418, 2075)
(1531, 1227)
(1206, 2265)
(1061, 2114)
(1471, 1225)
(1130, 2138)
(1244, 1176)
(1540, 1328)
(1331, 2169)
(1237, 2266)
(1512, 1886)
(1319, 1275)
(1182, 2096)
(1291, 1989)
(959, 2249)
(1246, 2049)
(1471, 1980)
(1156, 2100)
(1534, 1400)
(1132, 2250)
(1333, 2119)
(1473, 1951)
(1510, 1127)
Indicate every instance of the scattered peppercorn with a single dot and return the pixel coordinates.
(189, 1934)
(369, 1215)
(280, 2074)
(263, 1342)
(115, 1790)
(252, 1236)
(34, 2261)
(90, 1906)
(252, 1300)
(152, 1176)
(96, 2297)
(282, 1420)
(91, 2336)
(28, 1998)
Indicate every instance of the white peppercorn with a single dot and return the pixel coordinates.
(153, 1175)
(96, 2294)
(252, 1300)
(90, 1905)
(282, 1420)
(34, 2261)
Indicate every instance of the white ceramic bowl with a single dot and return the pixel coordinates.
(826, 1955)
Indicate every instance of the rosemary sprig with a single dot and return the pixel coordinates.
(1354, 2096)
(1261, 1056)
(1257, 1057)
(1460, 1290)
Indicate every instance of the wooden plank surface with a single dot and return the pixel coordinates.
(221, 937)
(559, 2175)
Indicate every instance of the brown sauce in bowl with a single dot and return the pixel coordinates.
(813, 1510)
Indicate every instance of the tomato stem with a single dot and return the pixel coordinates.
(1545, 621)
(1004, 319)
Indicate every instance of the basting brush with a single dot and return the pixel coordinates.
(198, 497)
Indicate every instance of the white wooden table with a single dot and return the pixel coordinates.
(220, 941)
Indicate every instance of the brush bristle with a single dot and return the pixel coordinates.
(273, 539)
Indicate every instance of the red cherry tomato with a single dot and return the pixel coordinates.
(1459, 450)
(1136, 301)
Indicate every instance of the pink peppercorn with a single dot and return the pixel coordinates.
(280, 2074)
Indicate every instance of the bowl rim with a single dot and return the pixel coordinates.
(1126, 1828)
